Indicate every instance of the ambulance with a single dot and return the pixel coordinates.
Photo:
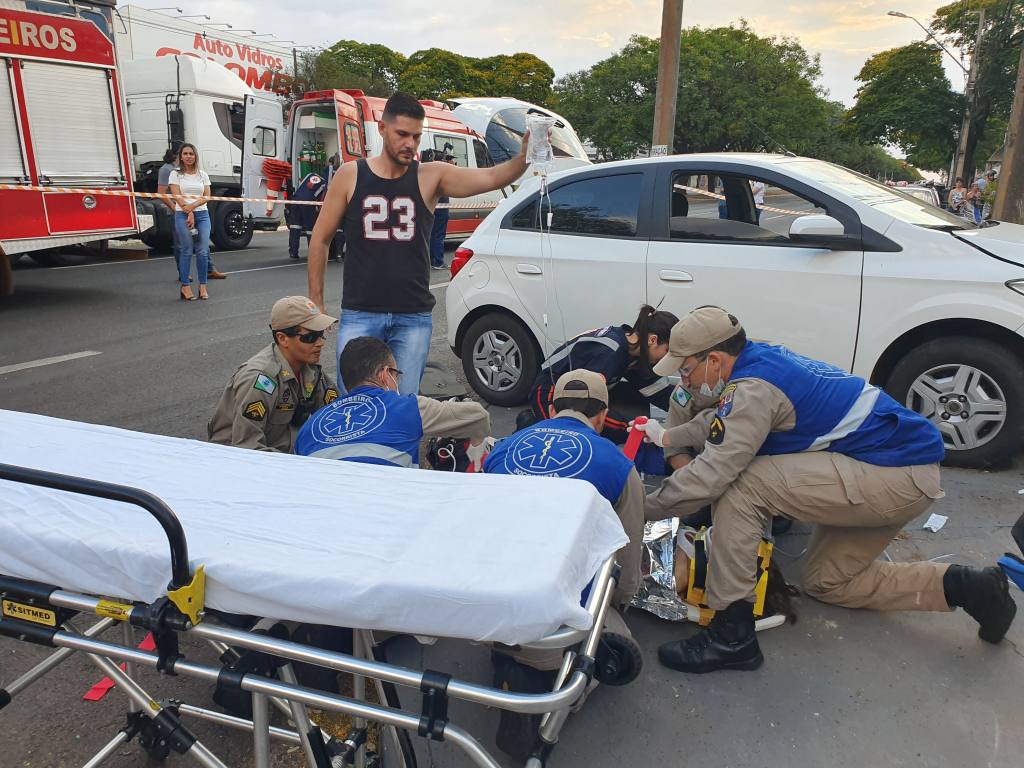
(62, 125)
(344, 121)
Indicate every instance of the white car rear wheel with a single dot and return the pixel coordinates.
(499, 358)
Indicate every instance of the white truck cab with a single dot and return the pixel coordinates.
(175, 99)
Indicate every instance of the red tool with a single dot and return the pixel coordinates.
(636, 437)
(276, 173)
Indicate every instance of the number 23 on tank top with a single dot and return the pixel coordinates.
(377, 211)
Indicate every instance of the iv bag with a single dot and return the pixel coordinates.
(539, 153)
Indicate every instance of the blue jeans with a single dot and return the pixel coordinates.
(408, 335)
(437, 235)
(201, 246)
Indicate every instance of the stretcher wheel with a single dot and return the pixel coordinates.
(619, 659)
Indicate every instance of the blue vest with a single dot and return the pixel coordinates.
(370, 425)
(562, 447)
(838, 412)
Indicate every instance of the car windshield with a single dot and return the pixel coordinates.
(890, 200)
(506, 129)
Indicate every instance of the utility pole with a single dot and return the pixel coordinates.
(668, 77)
(1009, 205)
(962, 171)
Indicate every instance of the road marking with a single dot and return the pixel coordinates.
(47, 361)
(110, 263)
(260, 269)
(440, 285)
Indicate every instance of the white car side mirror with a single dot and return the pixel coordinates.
(817, 227)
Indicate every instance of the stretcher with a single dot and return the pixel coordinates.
(175, 537)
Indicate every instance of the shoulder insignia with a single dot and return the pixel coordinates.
(256, 411)
(681, 396)
(265, 384)
(716, 433)
(330, 395)
(725, 401)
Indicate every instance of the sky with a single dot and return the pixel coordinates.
(574, 34)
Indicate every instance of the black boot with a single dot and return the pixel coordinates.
(985, 595)
(517, 731)
(728, 642)
(526, 418)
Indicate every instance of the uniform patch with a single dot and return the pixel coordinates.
(725, 401)
(285, 407)
(716, 432)
(330, 396)
(265, 384)
(681, 395)
(256, 411)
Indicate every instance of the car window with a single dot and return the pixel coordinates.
(483, 157)
(733, 208)
(606, 205)
(505, 135)
(452, 145)
(890, 200)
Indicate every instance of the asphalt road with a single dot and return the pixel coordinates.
(840, 688)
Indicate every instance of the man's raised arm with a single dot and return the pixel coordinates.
(466, 182)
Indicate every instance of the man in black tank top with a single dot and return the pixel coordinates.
(385, 205)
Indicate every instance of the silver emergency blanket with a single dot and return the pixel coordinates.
(478, 557)
(657, 592)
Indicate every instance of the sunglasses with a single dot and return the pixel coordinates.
(309, 337)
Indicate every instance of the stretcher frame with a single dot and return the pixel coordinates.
(46, 615)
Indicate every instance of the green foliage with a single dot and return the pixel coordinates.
(998, 57)
(737, 92)
(432, 73)
(906, 100)
(371, 67)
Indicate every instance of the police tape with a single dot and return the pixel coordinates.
(269, 201)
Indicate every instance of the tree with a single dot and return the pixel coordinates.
(906, 100)
(998, 58)
(439, 74)
(521, 76)
(737, 92)
(371, 67)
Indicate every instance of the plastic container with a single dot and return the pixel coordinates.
(539, 153)
(636, 437)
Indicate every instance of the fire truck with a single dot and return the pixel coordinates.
(62, 125)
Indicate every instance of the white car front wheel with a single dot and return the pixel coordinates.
(972, 390)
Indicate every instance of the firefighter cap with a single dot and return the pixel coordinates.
(700, 330)
(293, 311)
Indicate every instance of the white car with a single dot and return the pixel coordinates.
(835, 266)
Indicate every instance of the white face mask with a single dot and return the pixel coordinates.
(707, 391)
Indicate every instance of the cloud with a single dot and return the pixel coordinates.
(573, 34)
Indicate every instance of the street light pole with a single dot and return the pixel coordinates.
(970, 92)
(668, 77)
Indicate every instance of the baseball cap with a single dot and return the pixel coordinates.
(581, 384)
(698, 331)
(299, 310)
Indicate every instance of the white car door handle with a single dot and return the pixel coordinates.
(675, 276)
(528, 269)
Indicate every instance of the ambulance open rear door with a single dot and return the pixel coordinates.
(264, 140)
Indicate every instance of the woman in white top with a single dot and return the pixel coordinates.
(191, 187)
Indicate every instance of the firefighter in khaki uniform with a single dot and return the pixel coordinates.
(273, 393)
(800, 438)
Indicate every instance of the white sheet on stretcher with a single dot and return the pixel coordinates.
(480, 557)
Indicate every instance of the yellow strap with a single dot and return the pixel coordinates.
(190, 598)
